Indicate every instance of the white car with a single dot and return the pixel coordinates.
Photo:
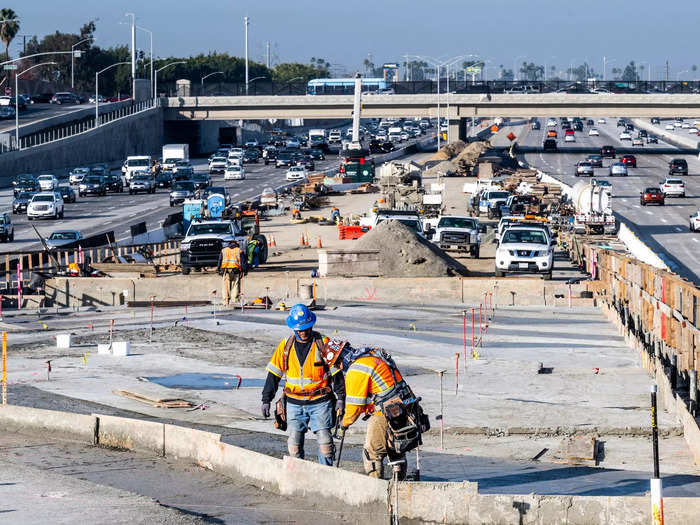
(685, 125)
(692, 130)
(625, 135)
(695, 222)
(77, 175)
(292, 143)
(552, 123)
(47, 182)
(217, 165)
(404, 136)
(593, 132)
(524, 250)
(601, 121)
(234, 172)
(45, 204)
(252, 144)
(296, 173)
(669, 127)
(673, 187)
(677, 124)
(638, 141)
(569, 138)
(617, 168)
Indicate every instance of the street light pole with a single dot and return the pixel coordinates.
(97, 91)
(245, 22)
(161, 69)
(150, 33)
(133, 56)
(210, 74)
(17, 98)
(72, 60)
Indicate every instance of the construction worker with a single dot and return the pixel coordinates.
(335, 215)
(231, 267)
(253, 253)
(296, 214)
(314, 393)
(375, 389)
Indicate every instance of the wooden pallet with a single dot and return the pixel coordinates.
(155, 402)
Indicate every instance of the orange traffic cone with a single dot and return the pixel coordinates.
(320, 244)
(274, 244)
(306, 240)
(301, 240)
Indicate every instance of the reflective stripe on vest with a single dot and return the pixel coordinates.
(304, 378)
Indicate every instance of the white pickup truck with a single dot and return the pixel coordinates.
(481, 185)
(454, 232)
(406, 217)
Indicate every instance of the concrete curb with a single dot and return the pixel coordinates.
(427, 501)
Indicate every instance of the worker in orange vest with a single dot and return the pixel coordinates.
(231, 266)
(314, 391)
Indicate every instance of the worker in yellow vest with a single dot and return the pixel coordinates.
(231, 267)
(314, 391)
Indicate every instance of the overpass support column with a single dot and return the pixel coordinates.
(455, 127)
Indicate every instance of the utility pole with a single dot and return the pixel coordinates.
(267, 54)
(603, 68)
(668, 71)
(245, 23)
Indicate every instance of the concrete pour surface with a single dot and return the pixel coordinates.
(503, 413)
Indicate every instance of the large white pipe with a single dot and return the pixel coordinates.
(356, 108)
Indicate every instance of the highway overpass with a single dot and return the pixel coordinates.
(456, 108)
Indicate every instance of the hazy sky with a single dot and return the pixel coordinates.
(345, 32)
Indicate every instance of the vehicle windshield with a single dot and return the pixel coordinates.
(141, 178)
(183, 186)
(498, 195)
(525, 236)
(216, 189)
(182, 163)
(2, 219)
(63, 236)
(97, 171)
(46, 177)
(456, 222)
(93, 180)
(25, 195)
(218, 159)
(43, 198)
(674, 181)
(138, 162)
(220, 228)
(80, 171)
(651, 190)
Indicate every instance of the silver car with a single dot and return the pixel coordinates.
(618, 169)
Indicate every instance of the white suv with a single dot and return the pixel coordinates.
(525, 250)
(47, 182)
(45, 204)
(695, 222)
(673, 187)
(296, 173)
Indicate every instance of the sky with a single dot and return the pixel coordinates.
(345, 33)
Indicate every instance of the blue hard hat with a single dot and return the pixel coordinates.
(300, 318)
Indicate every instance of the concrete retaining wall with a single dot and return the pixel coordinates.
(667, 136)
(526, 291)
(111, 142)
(426, 502)
(640, 250)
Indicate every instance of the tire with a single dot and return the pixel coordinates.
(14, 212)
(499, 273)
(171, 204)
(642, 203)
(263, 247)
(131, 192)
(30, 218)
(55, 216)
(81, 194)
(12, 236)
(547, 276)
(60, 215)
(186, 270)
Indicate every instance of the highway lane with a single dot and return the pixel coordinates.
(664, 229)
(37, 112)
(117, 212)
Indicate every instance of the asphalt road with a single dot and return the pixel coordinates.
(664, 229)
(91, 215)
(36, 112)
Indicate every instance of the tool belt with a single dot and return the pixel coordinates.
(281, 413)
(404, 416)
(323, 391)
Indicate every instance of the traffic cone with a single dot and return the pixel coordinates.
(306, 240)
(301, 240)
(274, 244)
(320, 244)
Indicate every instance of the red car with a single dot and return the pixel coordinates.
(651, 196)
(629, 160)
(569, 132)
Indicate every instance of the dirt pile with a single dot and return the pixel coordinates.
(403, 253)
(441, 168)
(449, 151)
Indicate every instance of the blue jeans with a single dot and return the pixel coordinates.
(317, 417)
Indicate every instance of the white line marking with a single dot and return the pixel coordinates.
(679, 229)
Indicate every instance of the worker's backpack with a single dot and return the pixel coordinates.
(401, 407)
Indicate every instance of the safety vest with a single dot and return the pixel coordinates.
(231, 258)
(305, 381)
(366, 378)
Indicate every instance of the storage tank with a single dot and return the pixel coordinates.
(588, 198)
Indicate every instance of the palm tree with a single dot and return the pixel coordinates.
(9, 28)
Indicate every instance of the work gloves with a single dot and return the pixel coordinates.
(340, 408)
(265, 410)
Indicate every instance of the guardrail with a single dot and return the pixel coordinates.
(76, 127)
(267, 88)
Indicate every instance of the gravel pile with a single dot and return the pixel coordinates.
(403, 253)
(440, 168)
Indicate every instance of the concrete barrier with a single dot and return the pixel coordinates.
(637, 248)
(76, 426)
(131, 434)
(523, 291)
(666, 136)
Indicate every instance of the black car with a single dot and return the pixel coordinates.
(114, 183)
(25, 183)
(679, 166)
(578, 126)
(652, 139)
(566, 125)
(380, 146)
(643, 133)
(315, 154)
(630, 127)
(621, 123)
(20, 202)
(655, 120)
(284, 160)
(536, 124)
(92, 184)
(43, 98)
(607, 151)
(201, 181)
(590, 122)
(164, 179)
(67, 193)
(65, 98)
(549, 145)
(251, 155)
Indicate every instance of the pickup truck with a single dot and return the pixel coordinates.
(454, 232)
(491, 201)
(481, 185)
(407, 217)
(204, 241)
